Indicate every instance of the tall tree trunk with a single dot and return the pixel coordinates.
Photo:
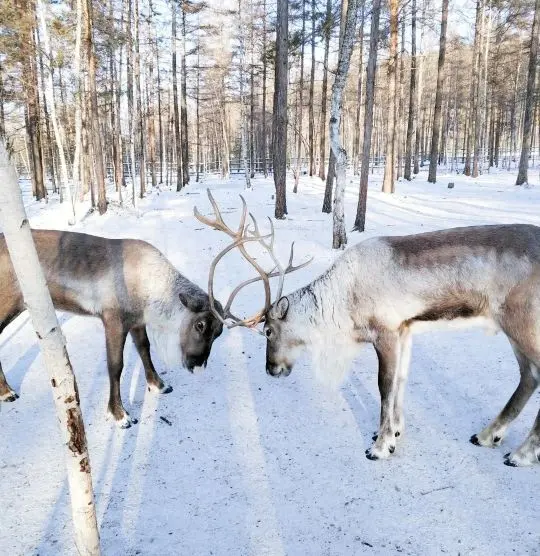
(432, 176)
(391, 107)
(420, 62)
(177, 136)
(348, 27)
(197, 115)
(529, 102)
(183, 110)
(412, 116)
(141, 128)
(244, 155)
(150, 95)
(2, 110)
(300, 101)
(33, 126)
(52, 343)
(311, 115)
(357, 130)
(328, 23)
(473, 95)
(93, 112)
(162, 153)
(46, 116)
(49, 91)
(264, 148)
(279, 124)
(115, 74)
(400, 108)
(360, 219)
(477, 112)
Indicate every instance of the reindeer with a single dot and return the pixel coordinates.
(132, 288)
(384, 289)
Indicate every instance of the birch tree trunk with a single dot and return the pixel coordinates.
(529, 102)
(432, 176)
(360, 220)
(37, 300)
(339, 233)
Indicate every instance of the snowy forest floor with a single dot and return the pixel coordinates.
(247, 464)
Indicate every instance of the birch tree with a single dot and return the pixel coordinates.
(51, 341)
(349, 8)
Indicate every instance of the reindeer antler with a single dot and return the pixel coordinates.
(241, 237)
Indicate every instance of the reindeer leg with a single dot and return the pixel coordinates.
(115, 335)
(142, 343)
(7, 394)
(403, 373)
(529, 452)
(494, 433)
(388, 350)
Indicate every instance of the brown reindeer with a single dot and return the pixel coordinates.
(131, 287)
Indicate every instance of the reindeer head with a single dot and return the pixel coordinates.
(283, 347)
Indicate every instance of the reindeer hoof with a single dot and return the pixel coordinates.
(371, 456)
(474, 440)
(126, 421)
(510, 463)
(167, 389)
(397, 434)
(374, 437)
(9, 397)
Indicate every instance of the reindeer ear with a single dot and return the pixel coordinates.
(281, 308)
(193, 303)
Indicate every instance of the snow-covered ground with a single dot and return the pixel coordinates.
(247, 464)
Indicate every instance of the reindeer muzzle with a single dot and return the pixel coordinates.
(278, 370)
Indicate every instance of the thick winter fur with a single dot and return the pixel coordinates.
(130, 286)
(385, 289)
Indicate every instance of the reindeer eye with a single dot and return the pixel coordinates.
(268, 332)
(200, 326)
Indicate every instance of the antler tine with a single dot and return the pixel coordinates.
(238, 243)
(243, 217)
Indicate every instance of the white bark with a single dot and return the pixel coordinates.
(345, 51)
(37, 299)
(49, 93)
